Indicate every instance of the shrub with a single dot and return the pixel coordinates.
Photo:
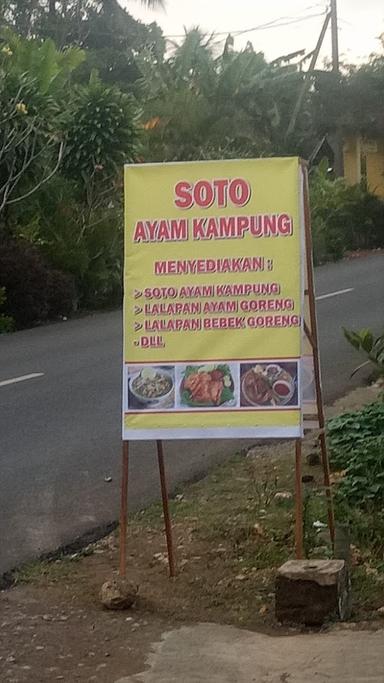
(24, 276)
(102, 133)
(7, 323)
(356, 442)
(88, 246)
(363, 483)
(101, 284)
(61, 293)
(344, 218)
(351, 430)
(33, 293)
(372, 347)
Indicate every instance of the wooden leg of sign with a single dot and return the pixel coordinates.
(124, 511)
(327, 485)
(167, 517)
(323, 446)
(313, 337)
(299, 502)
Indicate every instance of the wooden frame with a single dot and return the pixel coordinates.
(312, 336)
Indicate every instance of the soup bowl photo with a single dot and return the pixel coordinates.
(151, 385)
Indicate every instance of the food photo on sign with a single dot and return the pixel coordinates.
(272, 385)
(150, 387)
(208, 386)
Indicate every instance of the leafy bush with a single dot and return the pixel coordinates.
(344, 218)
(352, 430)
(86, 245)
(33, 292)
(61, 293)
(373, 347)
(102, 133)
(366, 228)
(101, 284)
(71, 222)
(363, 483)
(24, 276)
(356, 442)
(7, 323)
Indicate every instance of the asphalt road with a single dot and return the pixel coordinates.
(60, 431)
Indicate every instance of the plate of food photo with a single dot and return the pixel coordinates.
(265, 385)
(207, 386)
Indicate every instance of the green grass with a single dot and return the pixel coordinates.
(367, 589)
(50, 570)
(235, 506)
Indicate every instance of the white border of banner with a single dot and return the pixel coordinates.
(198, 433)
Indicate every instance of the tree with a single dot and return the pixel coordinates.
(102, 135)
(352, 101)
(33, 80)
(199, 103)
(110, 35)
(113, 40)
(60, 19)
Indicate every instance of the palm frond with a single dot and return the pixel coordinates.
(153, 4)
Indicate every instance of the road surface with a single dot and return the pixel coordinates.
(60, 422)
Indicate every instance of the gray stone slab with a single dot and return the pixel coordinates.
(312, 592)
(322, 572)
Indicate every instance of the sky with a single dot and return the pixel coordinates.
(360, 23)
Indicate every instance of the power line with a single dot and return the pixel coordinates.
(276, 23)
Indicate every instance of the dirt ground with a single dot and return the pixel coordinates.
(231, 531)
(53, 627)
(52, 632)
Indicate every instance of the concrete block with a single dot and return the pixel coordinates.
(312, 591)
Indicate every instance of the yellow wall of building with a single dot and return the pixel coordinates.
(373, 151)
(375, 168)
(352, 160)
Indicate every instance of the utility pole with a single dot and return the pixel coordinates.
(335, 37)
(307, 78)
(337, 141)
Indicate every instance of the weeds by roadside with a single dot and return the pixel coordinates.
(231, 531)
(357, 456)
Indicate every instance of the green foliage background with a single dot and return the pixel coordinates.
(84, 87)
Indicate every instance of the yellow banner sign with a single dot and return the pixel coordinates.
(213, 299)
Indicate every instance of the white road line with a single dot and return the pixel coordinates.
(22, 378)
(331, 294)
